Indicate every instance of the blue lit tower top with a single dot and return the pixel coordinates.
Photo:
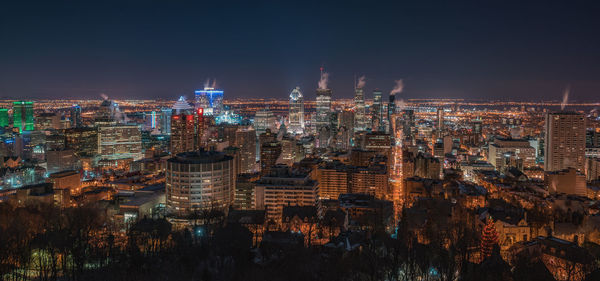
(210, 100)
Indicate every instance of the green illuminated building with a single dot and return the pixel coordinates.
(3, 117)
(23, 115)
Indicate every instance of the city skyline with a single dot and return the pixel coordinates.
(451, 50)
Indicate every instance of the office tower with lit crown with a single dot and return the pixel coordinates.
(360, 122)
(377, 111)
(76, 121)
(296, 114)
(199, 181)
(564, 141)
(3, 117)
(23, 115)
(182, 127)
(210, 100)
(245, 139)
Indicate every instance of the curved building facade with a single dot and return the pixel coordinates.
(199, 180)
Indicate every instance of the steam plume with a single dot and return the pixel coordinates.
(565, 99)
(361, 82)
(213, 85)
(398, 88)
(104, 96)
(324, 80)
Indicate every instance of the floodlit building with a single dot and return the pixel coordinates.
(199, 180)
(296, 112)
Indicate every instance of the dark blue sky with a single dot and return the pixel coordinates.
(500, 49)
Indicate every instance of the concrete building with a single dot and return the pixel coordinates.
(69, 180)
(568, 181)
(283, 187)
(60, 160)
(502, 151)
(120, 142)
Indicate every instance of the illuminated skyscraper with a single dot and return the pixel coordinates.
(120, 142)
(165, 121)
(245, 139)
(212, 187)
(360, 118)
(210, 100)
(3, 117)
(391, 110)
(377, 111)
(182, 127)
(564, 141)
(263, 120)
(269, 153)
(323, 108)
(23, 115)
(76, 121)
(440, 122)
(296, 116)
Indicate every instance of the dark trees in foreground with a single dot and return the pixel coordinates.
(45, 243)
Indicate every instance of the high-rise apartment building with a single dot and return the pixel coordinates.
(245, 139)
(199, 180)
(564, 141)
(296, 113)
(23, 115)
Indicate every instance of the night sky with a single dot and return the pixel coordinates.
(151, 49)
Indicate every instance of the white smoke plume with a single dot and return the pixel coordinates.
(208, 84)
(324, 80)
(361, 82)
(398, 88)
(104, 96)
(565, 99)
